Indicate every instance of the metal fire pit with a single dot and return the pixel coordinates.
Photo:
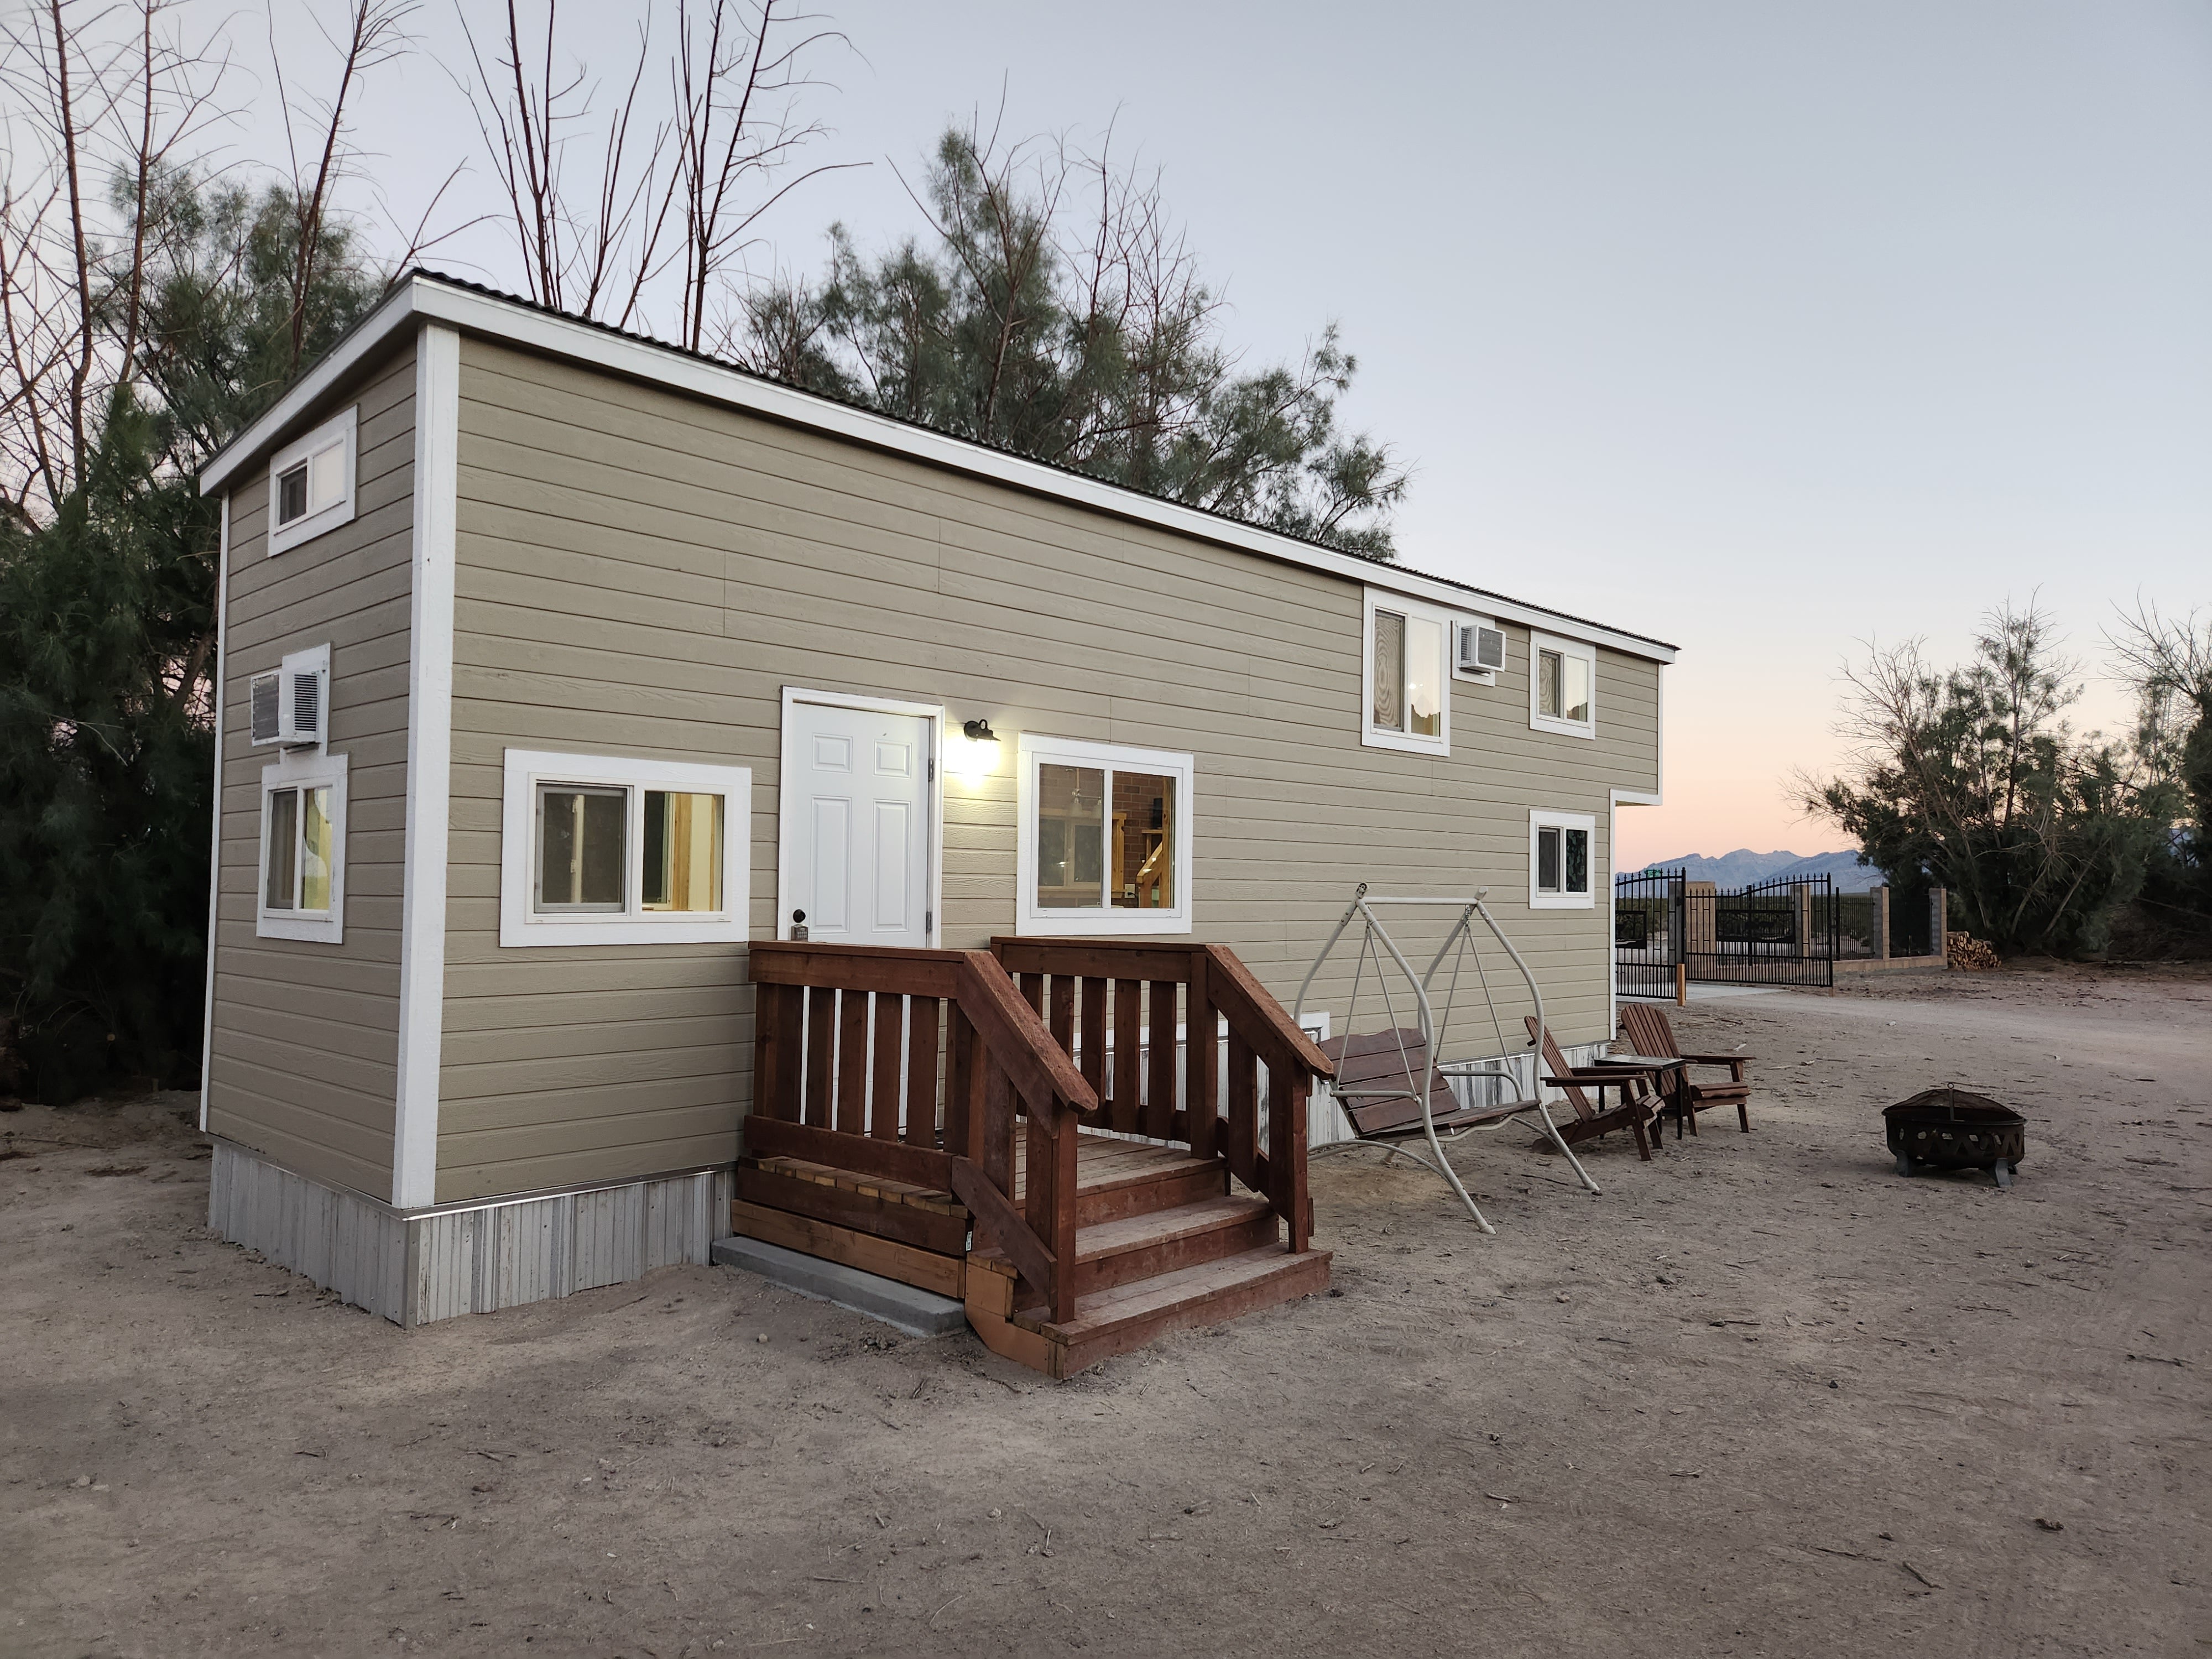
(1951, 1129)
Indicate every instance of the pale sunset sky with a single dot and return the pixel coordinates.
(1766, 330)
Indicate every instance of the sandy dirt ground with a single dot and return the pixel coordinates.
(1761, 1397)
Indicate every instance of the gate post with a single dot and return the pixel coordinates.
(1882, 922)
(1939, 923)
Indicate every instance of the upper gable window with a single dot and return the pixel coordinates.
(311, 484)
(1408, 671)
(1562, 686)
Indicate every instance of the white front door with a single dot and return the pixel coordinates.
(856, 825)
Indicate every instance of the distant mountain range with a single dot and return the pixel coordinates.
(1743, 867)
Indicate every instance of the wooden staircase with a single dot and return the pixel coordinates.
(1078, 1244)
(1164, 1248)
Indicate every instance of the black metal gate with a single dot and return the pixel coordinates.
(1772, 932)
(1646, 931)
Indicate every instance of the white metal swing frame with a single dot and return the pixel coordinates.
(1533, 1113)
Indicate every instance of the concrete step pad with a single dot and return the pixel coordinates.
(917, 1312)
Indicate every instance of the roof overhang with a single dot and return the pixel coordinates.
(423, 296)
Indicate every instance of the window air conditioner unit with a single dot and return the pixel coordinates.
(1481, 649)
(290, 704)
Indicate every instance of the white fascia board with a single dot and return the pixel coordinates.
(366, 337)
(534, 330)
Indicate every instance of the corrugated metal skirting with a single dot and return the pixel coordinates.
(413, 1269)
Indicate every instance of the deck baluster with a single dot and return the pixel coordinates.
(922, 1016)
(1160, 1063)
(1128, 1054)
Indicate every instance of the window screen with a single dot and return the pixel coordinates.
(282, 828)
(1389, 670)
(292, 494)
(1577, 860)
(579, 848)
(1547, 860)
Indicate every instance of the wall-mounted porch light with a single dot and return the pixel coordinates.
(973, 755)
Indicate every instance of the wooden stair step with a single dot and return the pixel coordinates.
(1148, 1245)
(1155, 1242)
(1126, 1316)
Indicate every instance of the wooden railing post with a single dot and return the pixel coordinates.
(1243, 1107)
(1287, 1093)
(1062, 1236)
(1201, 1062)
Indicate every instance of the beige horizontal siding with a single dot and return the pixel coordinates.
(303, 1064)
(642, 574)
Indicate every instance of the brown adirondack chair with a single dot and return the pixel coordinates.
(1636, 1106)
(1648, 1029)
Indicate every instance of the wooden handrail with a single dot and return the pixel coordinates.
(1217, 988)
(1041, 1073)
(839, 1012)
(1270, 1027)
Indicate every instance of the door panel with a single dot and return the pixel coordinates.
(856, 827)
(831, 858)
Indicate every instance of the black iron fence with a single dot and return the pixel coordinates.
(1786, 932)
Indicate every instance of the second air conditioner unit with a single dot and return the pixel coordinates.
(291, 705)
(1481, 651)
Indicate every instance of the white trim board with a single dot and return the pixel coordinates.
(214, 839)
(429, 767)
(786, 790)
(423, 296)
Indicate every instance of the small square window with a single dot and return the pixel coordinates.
(1559, 860)
(311, 484)
(1563, 675)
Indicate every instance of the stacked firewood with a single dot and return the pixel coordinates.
(1969, 953)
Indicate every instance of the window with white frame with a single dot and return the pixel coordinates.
(1408, 669)
(598, 849)
(1559, 846)
(311, 484)
(1104, 845)
(301, 893)
(1562, 686)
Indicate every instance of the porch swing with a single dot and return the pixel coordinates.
(1391, 1085)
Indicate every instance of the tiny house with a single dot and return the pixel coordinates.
(559, 664)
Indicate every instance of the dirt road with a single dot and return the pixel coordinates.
(1762, 1397)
